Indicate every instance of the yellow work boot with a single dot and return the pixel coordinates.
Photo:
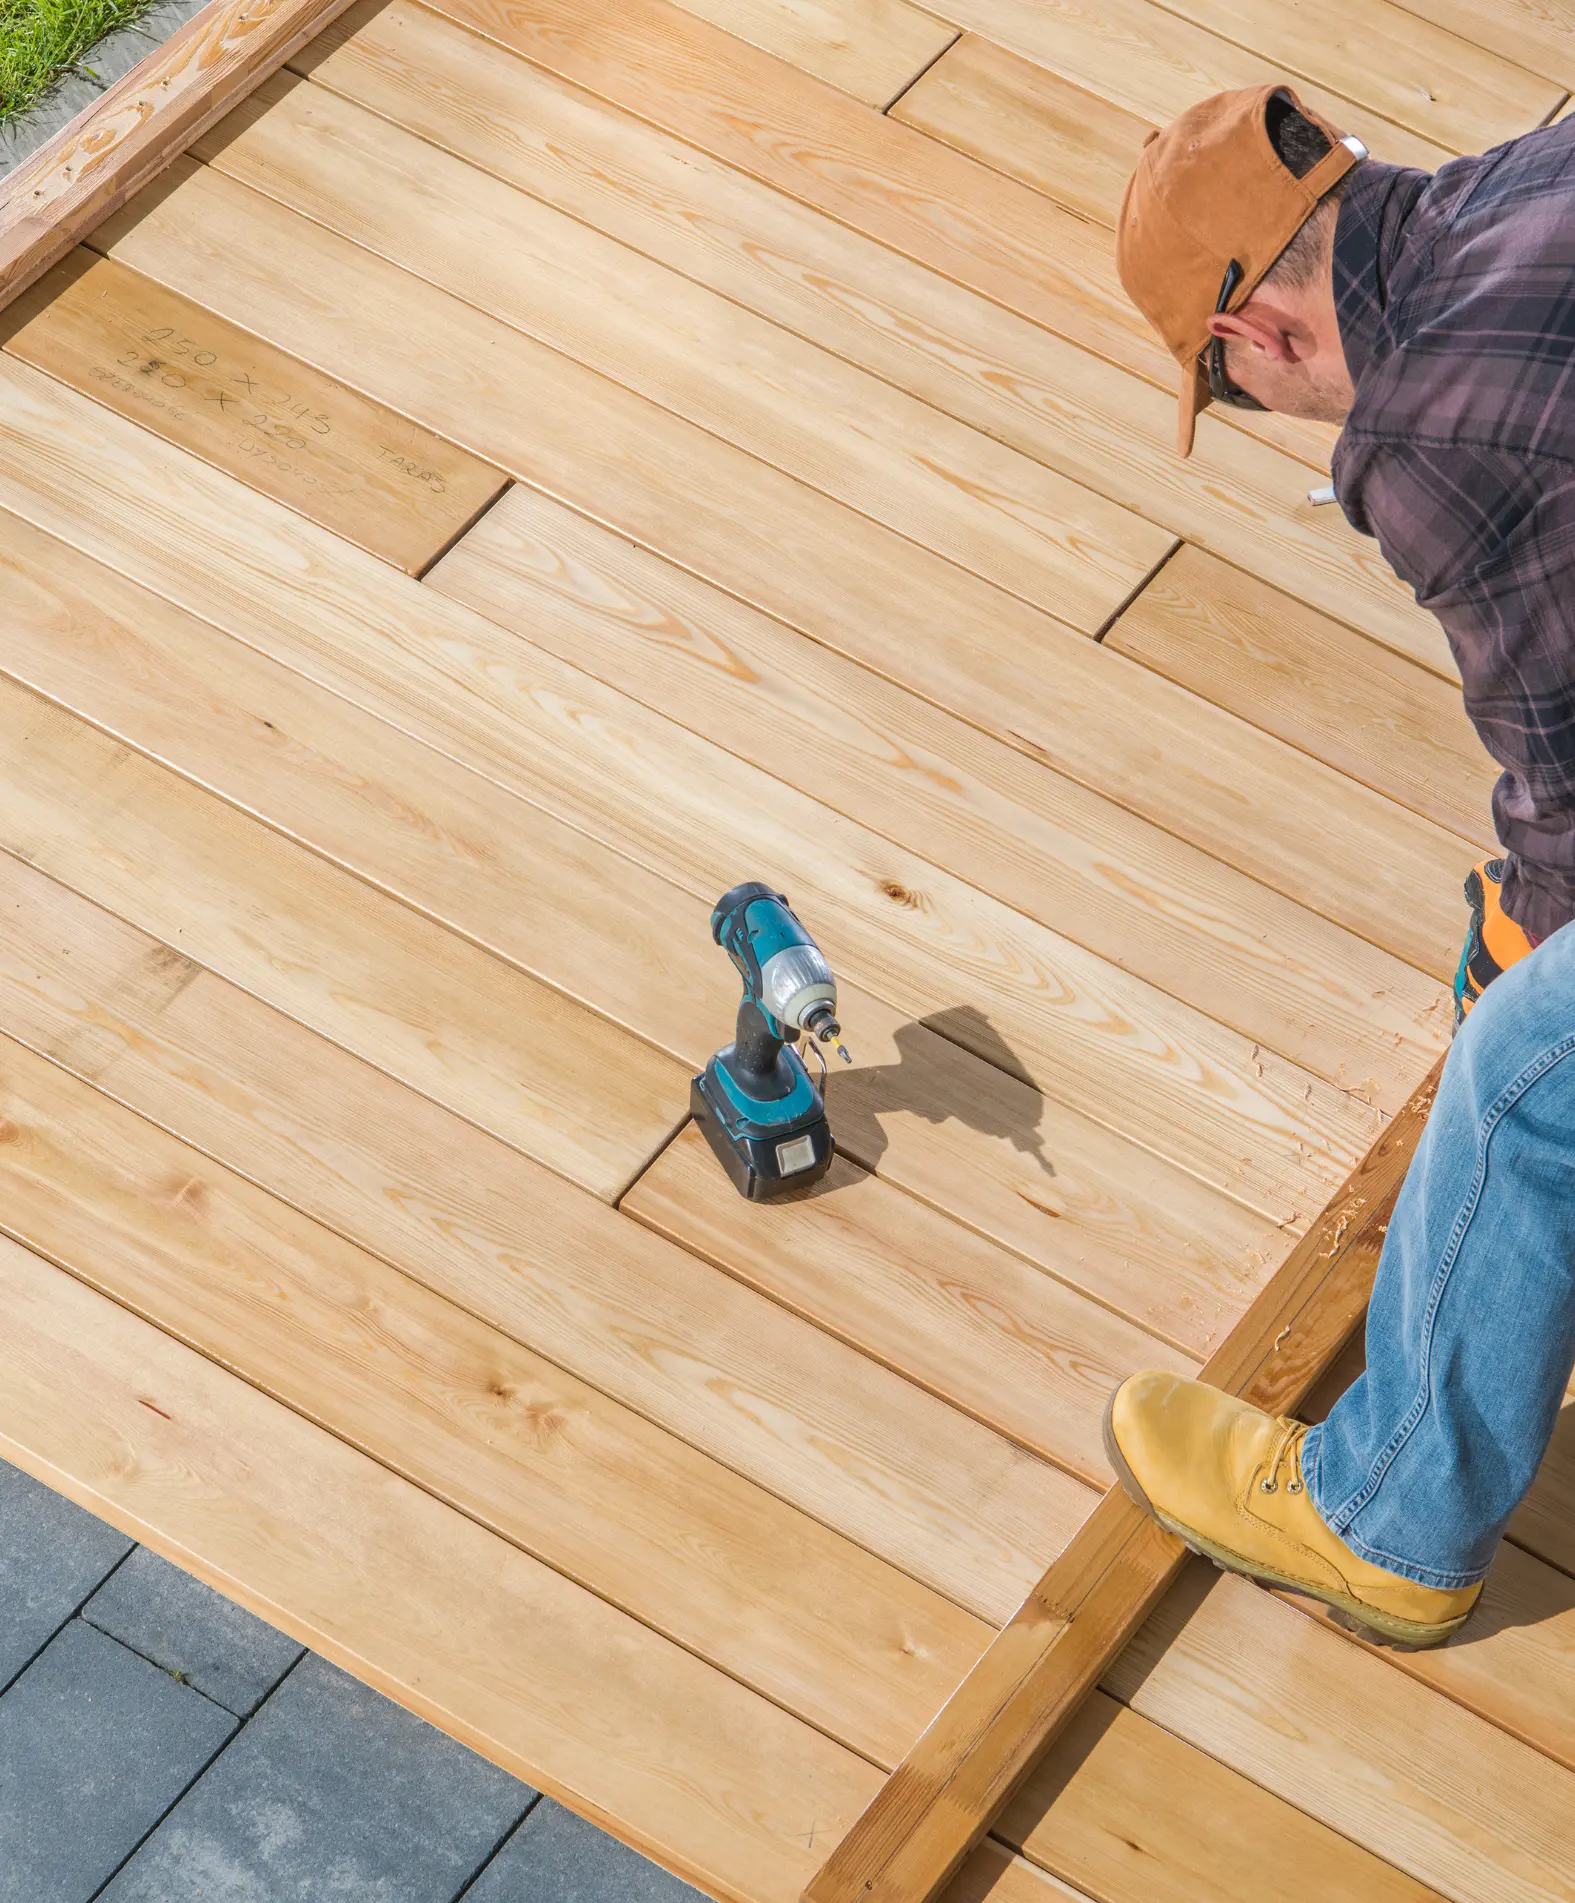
(1227, 1478)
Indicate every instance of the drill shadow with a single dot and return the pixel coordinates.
(1007, 1107)
(1500, 1609)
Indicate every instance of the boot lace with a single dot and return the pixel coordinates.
(1284, 1456)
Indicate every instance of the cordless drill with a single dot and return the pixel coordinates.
(760, 1112)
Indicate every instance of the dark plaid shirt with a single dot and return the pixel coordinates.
(1456, 300)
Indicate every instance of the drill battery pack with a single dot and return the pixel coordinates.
(769, 1147)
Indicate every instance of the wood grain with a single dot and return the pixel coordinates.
(1431, 95)
(926, 780)
(511, 1054)
(1028, 122)
(832, 269)
(961, 1127)
(1090, 713)
(1545, 1522)
(604, 1298)
(1296, 673)
(1394, 60)
(942, 1798)
(626, 1510)
(278, 424)
(894, 925)
(931, 203)
(1536, 34)
(1021, 526)
(1130, 1814)
(872, 49)
(1453, 1801)
(479, 1638)
(985, 1332)
(128, 135)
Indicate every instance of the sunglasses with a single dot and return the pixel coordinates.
(1220, 386)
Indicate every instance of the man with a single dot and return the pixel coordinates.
(1434, 317)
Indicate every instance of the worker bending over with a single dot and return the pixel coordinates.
(1434, 317)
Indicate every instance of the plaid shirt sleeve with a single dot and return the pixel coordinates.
(1486, 537)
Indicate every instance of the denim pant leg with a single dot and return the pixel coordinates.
(1471, 1332)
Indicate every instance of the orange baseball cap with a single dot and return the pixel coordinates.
(1210, 188)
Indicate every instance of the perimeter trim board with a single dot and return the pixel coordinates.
(943, 1798)
(114, 146)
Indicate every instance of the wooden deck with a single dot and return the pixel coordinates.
(530, 465)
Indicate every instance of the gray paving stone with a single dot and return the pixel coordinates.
(556, 1857)
(331, 1794)
(95, 1744)
(188, 1628)
(52, 1555)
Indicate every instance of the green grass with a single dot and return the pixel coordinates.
(41, 39)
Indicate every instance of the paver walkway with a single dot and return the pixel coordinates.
(160, 1745)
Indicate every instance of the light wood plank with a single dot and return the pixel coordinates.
(1092, 714)
(1537, 34)
(900, 928)
(126, 136)
(1384, 1760)
(544, 1460)
(1019, 525)
(649, 1324)
(994, 1875)
(926, 780)
(513, 1055)
(1545, 1522)
(962, 1130)
(1296, 673)
(1394, 60)
(1030, 123)
(943, 1797)
(967, 1321)
(1516, 1664)
(477, 1637)
(1131, 1814)
(872, 49)
(908, 323)
(934, 204)
(1382, 65)
(278, 424)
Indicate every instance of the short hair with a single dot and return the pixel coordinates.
(1300, 145)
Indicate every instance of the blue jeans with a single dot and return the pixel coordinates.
(1471, 1332)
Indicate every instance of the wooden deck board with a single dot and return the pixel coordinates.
(276, 423)
(990, 509)
(496, 1431)
(1030, 123)
(1449, 1798)
(865, 169)
(1130, 1814)
(1157, 60)
(473, 1634)
(899, 926)
(958, 1315)
(873, 49)
(602, 1297)
(926, 780)
(353, 948)
(832, 268)
(1347, 701)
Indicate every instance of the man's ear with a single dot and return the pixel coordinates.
(1259, 330)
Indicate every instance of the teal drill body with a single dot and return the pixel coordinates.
(755, 1100)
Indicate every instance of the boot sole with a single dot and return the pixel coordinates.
(1366, 1621)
